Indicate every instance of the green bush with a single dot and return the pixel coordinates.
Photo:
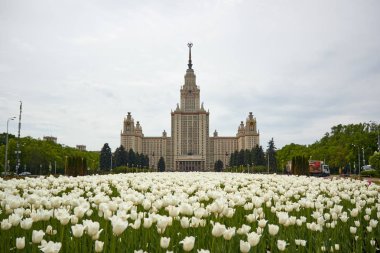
(125, 169)
(374, 160)
(370, 173)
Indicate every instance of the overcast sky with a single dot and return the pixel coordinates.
(300, 67)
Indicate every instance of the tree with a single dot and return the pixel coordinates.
(131, 158)
(218, 166)
(44, 157)
(241, 159)
(374, 161)
(105, 158)
(161, 164)
(271, 155)
(76, 166)
(234, 158)
(340, 148)
(121, 156)
(145, 163)
(258, 156)
(300, 165)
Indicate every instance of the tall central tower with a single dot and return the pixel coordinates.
(190, 126)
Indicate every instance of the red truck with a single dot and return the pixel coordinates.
(318, 168)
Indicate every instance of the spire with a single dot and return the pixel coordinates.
(190, 45)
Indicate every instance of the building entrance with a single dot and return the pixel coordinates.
(190, 165)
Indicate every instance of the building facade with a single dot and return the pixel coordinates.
(189, 148)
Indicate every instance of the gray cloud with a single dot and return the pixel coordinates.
(79, 67)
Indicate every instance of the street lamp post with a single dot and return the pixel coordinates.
(225, 160)
(6, 146)
(358, 157)
(111, 162)
(154, 162)
(65, 165)
(363, 157)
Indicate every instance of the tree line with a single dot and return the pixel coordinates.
(41, 157)
(256, 158)
(345, 148)
(121, 158)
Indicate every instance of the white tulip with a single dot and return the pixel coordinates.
(74, 220)
(262, 223)
(354, 212)
(188, 243)
(244, 229)
(253, 238)
(229, 233)
(373, 223)
(118, 225)
(173, 211)
(281, 245)
(353, 230)
(26, 224)
(244, 246)
(273, 229)
(50, 247)
(282, 217)
(185, 222)
(77, 230)
(99, 246)
(20, 242)
(37, 236)
(92, 227)
(300, 242)
(5, 224)
(89, 211)
(146, 204)
(164, 242)
(218, 230)
(49, 230)
(136, 224)
(147, 222)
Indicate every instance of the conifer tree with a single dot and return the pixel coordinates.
(105, 158)
(161, 164)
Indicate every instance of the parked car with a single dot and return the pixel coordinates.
(367, 167)
(25, 173)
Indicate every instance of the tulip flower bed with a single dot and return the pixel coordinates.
(188, 212)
